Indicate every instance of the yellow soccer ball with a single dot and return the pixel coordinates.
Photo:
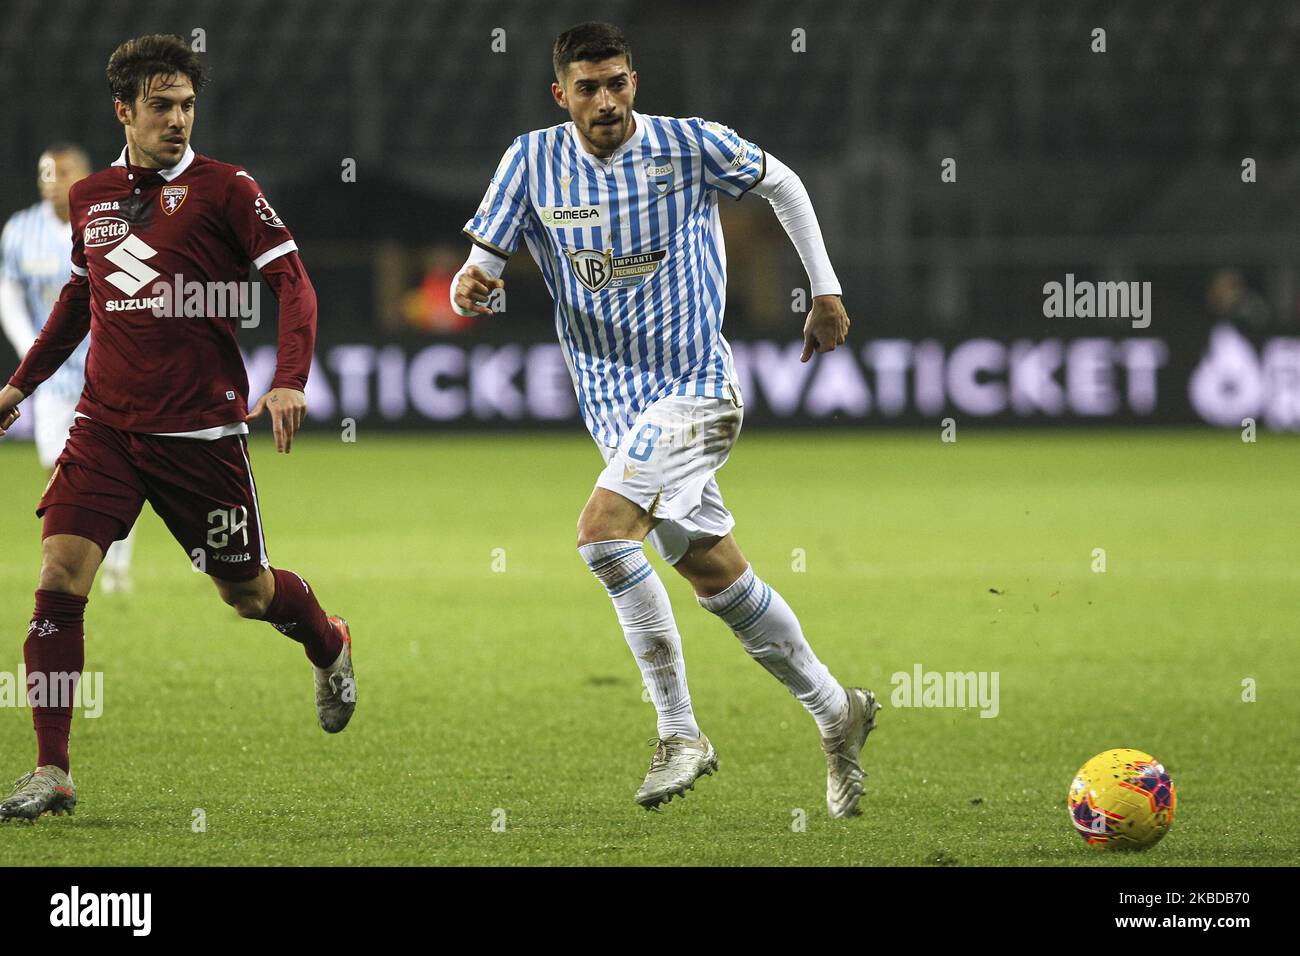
(1122, 799)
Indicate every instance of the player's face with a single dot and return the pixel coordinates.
(159, 122)
(56, 172)
(598, 95)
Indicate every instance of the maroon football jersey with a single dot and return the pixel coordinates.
(201, 221)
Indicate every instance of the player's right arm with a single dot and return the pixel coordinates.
(9, 399)
(496, 230)
(477, 279)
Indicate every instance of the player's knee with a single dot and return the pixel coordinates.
(700, 576)
(711, 565)
(247, 603)
(251, 607)
(592, 527)
(589, 532)
(593, 530)
(66, 571)
(706, 586)
(58, 575)
(601, 522)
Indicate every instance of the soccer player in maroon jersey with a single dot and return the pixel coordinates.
(162, 417)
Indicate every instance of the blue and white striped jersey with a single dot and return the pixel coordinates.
(631, 249)
(36, 253)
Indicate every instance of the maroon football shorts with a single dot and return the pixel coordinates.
(202, 490)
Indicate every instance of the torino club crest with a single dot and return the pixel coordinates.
(172, 197)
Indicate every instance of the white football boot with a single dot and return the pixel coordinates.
(45, 790)
(336, 688)
(677, 763)
(843, 766)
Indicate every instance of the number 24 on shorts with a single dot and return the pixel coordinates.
(225, 525)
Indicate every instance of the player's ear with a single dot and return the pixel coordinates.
(557, 92)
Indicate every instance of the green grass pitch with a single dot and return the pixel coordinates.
(508, 697)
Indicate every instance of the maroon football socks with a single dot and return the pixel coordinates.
(295, 612)
(54, 653)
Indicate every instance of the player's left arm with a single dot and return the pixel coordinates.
(17, 324)
(734, 166)
(271, 248)
(68, 324)
(286, 401)
(827, 325)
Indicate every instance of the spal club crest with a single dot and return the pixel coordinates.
(659, 173)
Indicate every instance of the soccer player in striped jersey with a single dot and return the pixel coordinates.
(620, 211)
(33, 268)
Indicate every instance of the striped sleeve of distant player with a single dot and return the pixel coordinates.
(9, 245)
(14, 318)
(68, 322)
(499, 222)
(732, 164)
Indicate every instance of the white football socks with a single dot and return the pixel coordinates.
(771, 635)
(647, 618)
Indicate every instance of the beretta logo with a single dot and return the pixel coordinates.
(104, 231)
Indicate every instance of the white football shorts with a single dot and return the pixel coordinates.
(666, 463)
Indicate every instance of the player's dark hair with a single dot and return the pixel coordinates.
(589, 41)
(159, 54)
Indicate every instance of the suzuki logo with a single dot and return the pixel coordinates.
(127, 256)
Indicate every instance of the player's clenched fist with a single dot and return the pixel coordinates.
(473, 289)
(827, 326)
(9, 399)
(288, 407)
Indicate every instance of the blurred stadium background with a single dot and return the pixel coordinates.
(1124, 166)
